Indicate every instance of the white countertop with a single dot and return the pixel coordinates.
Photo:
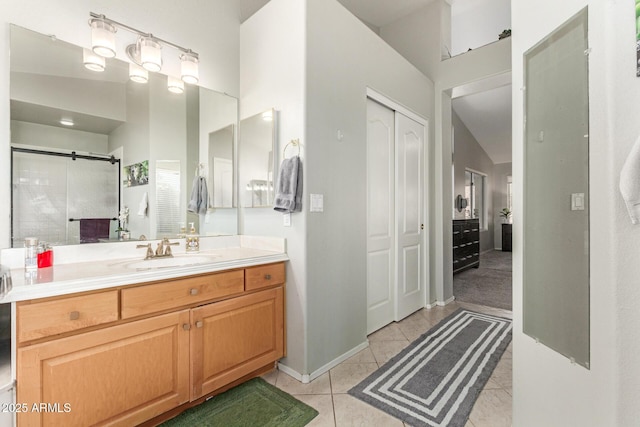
(78, 275)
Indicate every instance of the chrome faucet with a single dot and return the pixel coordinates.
(163, 249)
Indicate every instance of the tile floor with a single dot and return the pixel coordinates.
(328, 393)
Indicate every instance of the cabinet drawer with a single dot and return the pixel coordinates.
(179, 293)
(264, 276)
(45, 318)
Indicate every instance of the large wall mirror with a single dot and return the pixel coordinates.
(87, 145)
(556, 192)
(256, 160)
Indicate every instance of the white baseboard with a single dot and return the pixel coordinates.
(445, 302)
(440, 303)
(291, 372)
(307, 378)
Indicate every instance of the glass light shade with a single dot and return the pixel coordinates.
(189, 68)
(137, 73)
(92, 61)
(175, 85)
(103, 38)
(150, 54)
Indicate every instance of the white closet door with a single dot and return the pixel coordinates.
(410, 141)
(380, 216)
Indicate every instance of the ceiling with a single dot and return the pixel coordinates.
(486, 111)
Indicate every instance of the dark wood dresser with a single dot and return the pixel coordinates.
(466, 244)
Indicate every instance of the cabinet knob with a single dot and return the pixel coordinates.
(74, 315)
(193, 291)
(186, 326)
(199, 324)
(267, 277)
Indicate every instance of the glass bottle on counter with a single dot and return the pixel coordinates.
(30, 253)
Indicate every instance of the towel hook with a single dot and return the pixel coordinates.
(293, 142)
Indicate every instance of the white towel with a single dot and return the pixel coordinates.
(289, 188)
(630, 182)
(143, 205)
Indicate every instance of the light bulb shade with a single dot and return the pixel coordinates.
(103, 38)
(92, 61)
(137, 73)
(150, 54)
(189, 68)
(175, 85)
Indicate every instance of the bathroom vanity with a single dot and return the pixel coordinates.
(145, 341)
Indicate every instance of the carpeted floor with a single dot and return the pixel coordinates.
(489, 285)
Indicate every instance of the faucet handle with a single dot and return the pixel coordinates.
(168, 244)
(149, 250)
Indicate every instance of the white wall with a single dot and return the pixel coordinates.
(548, 390)
(341, 64)
(209, 28)
(417, 37)
(477, 23)
(57, 137)
(317, 80)
(272, 75)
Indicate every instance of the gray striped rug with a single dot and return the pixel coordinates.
(437, 379)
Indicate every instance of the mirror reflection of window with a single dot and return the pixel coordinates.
(168, 210)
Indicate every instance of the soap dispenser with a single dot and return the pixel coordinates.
(193, 240)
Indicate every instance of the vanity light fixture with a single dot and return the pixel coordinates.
(150, 53)
(189, 67)
(137, 73)
(146, 52)
(103, 36)
(92, 61)
(175, 85)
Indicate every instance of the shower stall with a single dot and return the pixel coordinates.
(53, 192)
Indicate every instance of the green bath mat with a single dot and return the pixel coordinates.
(251, 404)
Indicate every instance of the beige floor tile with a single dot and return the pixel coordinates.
(364, 356)
(347, 375)
(492, 385)
(271, 377)
(385, 350)
(502, 374)
(353, 412)
(509, 390)
(492, 409)
(469, 424)
(391, 332)
(320, 385)
(323, 403)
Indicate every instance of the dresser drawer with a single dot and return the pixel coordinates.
(179, 293)
(264, 276)
(44, 318)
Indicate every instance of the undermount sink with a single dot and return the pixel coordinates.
(176, 261)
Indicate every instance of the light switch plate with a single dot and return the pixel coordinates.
(286, 219)
(577, 201)
(316, 203)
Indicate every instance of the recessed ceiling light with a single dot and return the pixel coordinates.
(66, 122)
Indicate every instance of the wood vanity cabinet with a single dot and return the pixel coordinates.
(149, 359)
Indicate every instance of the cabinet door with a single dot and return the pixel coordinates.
(122, 375)
(233, 338)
